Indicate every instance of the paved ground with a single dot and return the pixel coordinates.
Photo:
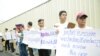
(8, 53)
(5, 54)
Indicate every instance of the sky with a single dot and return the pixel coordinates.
(12, 8)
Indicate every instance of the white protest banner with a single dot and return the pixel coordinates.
(26, 37)
(32, 39)
(79, 43)
(48, 39)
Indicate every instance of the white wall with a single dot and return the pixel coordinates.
(49, 11)
(11, 8)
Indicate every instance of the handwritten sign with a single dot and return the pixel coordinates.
(45, 39)
(79, 43)
(34, 39)
(48, 39)
(25, 37)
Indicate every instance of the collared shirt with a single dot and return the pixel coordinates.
(31, 29)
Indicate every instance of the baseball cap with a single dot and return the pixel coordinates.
(19, 25)
(81, 15)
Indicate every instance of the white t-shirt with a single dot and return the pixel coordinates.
(31, 29)
(14, 37)
(41, 29)
(60, 27)
(87, 27)
(7, 36)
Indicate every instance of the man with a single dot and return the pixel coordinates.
(43, 52)
(22, 46)
(11, 42)
(81, 20)
(7, 38)
(30, 28)
(62, 17)
(64, 23)
(13, 34)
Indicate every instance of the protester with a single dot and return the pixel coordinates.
(7, 38)
(81, 20)
(30, 28)
(64, 23)
(43, 52)
(22, 46)
(11, 42)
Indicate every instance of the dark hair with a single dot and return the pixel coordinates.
(40, 20)
(6, 29)
(30, 23)
(60, 13)
(14, 28)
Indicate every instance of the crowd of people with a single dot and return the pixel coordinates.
(16, 35)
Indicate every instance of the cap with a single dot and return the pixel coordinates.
(19, 25)
(81, 15)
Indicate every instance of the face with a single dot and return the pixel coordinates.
(81, 21)
(63, 16)
(21, 28)
(6, 30)
(41, 24)
(28, 26)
